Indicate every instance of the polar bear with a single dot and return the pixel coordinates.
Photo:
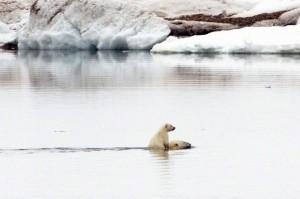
(160, 140)
(179, 144)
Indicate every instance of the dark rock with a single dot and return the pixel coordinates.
(188, 28)
(9, 46)
(240, 21)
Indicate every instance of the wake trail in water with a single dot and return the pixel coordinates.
(70, 149)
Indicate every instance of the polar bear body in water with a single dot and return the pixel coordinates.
(160, 141)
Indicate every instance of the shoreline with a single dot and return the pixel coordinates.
(51, 31)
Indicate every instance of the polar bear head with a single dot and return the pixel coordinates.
(168, 127)
(178, 144)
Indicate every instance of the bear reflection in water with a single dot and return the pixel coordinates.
(160, 141)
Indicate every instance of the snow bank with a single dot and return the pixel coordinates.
(4, 28)
(268, 6)
(245, 40)
(242, 8)
(91, 24)
(6, 35)
(172, 8)
(290, 18)
(14, 11)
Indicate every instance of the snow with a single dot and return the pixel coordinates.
(268, 6)
(242, 8)
(90, 24)
(290, 18)
(4, 28)
(14, 11)
(6, 35)
(245, 40)
(172, 8)
(129, 24)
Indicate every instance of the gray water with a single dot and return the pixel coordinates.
(74, 125)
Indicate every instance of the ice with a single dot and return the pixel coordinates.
(245, 40)
(91, 25)
(171, 8)
(290, 18)
(242, 8)
(268, 6)
(4, 28)
(131, 24)
(6, 35)
(14, 11)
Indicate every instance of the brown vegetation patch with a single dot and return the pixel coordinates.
(239, 21)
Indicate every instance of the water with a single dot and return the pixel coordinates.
(74, 125)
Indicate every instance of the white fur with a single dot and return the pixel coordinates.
(161, 139)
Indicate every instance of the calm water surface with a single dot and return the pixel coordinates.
(61, 114)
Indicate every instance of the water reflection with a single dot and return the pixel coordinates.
(92, 70)
(160, 154)
(77, 70)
